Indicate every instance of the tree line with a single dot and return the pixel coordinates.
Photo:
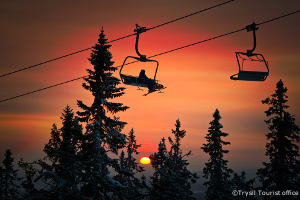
(79, 162)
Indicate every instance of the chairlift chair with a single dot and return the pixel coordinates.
(254, 57)
(151, 84)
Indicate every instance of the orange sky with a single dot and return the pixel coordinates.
(197, 78)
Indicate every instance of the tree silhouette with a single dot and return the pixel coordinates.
(216, 170)
(63, 172)
(239, 182)
(134, 187)
(282, 170)
(8, 187)
(158, 181)
(30, 190)
(103, 129)
(171, 178)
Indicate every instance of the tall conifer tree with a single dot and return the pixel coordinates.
(134, 187)
(64, 171)
(216, 170)
(158, 179)
(103, 129)
(28, 181)
(239, 183)
(172, 179)
(282, 170)
(9, 178)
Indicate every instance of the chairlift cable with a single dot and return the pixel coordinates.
(75, 79)
(226, 34)
(232, 32)
(70, 54)
(278, 18)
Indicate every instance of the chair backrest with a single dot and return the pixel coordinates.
(253, 62)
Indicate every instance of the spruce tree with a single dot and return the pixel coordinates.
(282, 170)
(158, 179)
(28, 181)
(64, 171)
(9, 188)
(53, 145)
(68, 167)
(134, 187)
(103, 129)
(216, 170)
(172, 179)
(239, 183)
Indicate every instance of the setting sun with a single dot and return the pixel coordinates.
(145, 160)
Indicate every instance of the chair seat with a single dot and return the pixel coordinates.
(250, 76)
(136, 81)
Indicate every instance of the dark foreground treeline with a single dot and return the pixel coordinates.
(78, 162)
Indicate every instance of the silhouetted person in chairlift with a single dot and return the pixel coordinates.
(142, 75)
(145, 80)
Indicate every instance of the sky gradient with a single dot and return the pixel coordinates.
(197, 78)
